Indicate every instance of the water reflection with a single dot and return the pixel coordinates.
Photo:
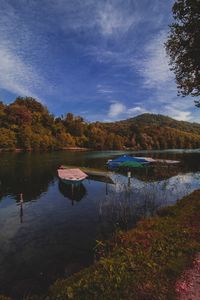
(24, 174)
(72, 192)
(21, 208)
(126, 203)
(43, 236)
(155, 173)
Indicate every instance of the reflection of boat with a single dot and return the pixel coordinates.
(72, 192)
(71, 176)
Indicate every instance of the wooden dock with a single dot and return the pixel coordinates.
(167, 161)
(95, 174)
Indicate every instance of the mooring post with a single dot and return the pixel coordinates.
(21, 198)
(129, 177)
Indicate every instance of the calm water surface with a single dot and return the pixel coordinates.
(53, 233)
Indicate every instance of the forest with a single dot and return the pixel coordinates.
(28, 125)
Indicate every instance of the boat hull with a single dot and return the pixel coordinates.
(69, 181)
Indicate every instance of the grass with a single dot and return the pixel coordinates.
(140, 264)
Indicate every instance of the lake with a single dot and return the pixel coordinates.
(54, 232)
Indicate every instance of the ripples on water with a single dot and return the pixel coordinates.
(53, 232)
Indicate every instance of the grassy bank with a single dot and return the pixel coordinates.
(143, 263)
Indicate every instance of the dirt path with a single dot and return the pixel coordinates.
(188, 287)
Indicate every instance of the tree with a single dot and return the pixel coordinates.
(183, 47)
(69, 117)
(7, 139)
(17, 114)
(30, 103)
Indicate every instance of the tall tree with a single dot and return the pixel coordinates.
(183, 47)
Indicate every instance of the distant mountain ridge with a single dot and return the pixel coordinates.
(28, 125)
(155, 131)
(148, 119)
(161, 120)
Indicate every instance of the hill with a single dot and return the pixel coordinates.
(151, 131)
(160, 120)
(28, 125)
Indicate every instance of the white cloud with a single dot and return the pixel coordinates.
(136, 110)
(119, 111)
(116, 109)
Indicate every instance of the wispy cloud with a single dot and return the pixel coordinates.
(178, 114)
(18, 70)
(104, 90)
(153, 65)
(114, 20)
(107, 18)
(136, 110)
(16, 76)
(91, 52)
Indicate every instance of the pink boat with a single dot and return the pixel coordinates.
(71, 175)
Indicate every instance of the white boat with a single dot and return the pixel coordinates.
(71, 176)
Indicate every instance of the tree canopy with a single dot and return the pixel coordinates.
(183, 47)
(28, 125)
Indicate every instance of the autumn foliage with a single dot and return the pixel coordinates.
(27, 124)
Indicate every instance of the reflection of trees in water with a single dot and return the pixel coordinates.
(190, 162)
(125, 205)
(162, 171)
(28, 176)
(72, 192)
(156, 172)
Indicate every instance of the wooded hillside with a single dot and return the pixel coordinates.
(28, 125)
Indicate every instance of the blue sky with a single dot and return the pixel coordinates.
(104, 60)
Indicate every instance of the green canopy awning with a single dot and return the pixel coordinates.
(131, 164)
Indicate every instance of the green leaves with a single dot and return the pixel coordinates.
(183, 47)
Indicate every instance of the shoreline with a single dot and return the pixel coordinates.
(19, 150)
(145, 261)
